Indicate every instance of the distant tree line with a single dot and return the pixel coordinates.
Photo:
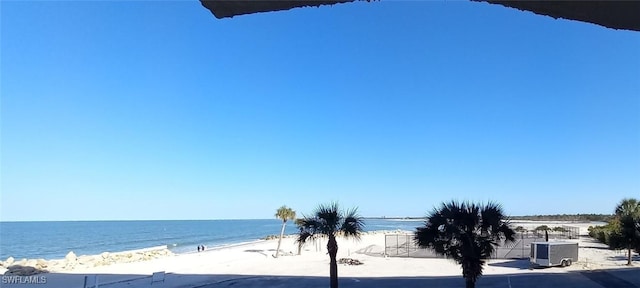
(555, 217)
(567, 217)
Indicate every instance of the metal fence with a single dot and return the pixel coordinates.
(403, 245)
(567, 232)
(571, 232)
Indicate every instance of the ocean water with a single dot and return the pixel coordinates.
(54, 239)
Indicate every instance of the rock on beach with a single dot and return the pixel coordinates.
(28, 267)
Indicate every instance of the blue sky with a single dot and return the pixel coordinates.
(158, 110)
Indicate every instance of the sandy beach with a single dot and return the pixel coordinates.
(253, 265)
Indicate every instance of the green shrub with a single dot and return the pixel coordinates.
(542, 228)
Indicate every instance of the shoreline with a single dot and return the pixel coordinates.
(169, 247)
(50, 240)
(72, 262)
(225, 246)
(251, 264)
(147, 250)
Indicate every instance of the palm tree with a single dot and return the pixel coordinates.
(466, 233)
(544, 228)
(284, 213)
(299, 223)
(628, 206)
(328, 220)
(628, 215)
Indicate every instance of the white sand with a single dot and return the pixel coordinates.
(190, 270)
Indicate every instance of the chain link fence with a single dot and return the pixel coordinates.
(403, 245)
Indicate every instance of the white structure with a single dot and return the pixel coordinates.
(554, 253)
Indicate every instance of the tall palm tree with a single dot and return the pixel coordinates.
(284, 213)
(328, 220)
(466, 233)
(628, 215)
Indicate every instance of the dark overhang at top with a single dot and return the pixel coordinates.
(610, 14)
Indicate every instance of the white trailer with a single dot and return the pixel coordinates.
(549, 254)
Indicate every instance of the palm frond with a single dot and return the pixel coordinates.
(309, 227)
(353, 224)
(468, 217)
(440, 230)
(285, 213)
(328, 220)
(466, 233)
(310, 224)
(303, 237)
(492, 218)
(329, 216)
(628, 206)
(487, 246)
(495, 223)
(507, 232)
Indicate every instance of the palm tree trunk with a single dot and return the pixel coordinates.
(284, 223)
(469, 283)
(332, 247)
(299, 248)
(469, 272)
(629, 255)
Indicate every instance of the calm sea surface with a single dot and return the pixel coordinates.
(52, 240)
